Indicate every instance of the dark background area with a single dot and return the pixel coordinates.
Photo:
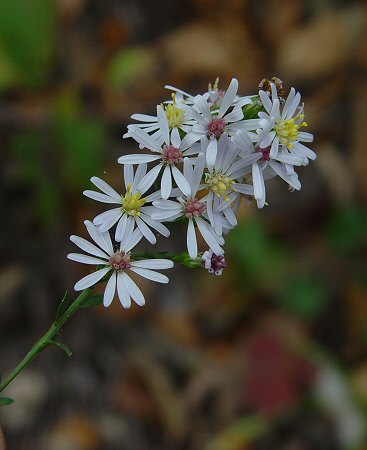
(270, 356)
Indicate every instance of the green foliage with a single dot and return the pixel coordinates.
(4, 401)
(63, 306)
(347, 228)
(305, 296)
(31, 149)
(27, 34)
(260, 259)
(62, 157)
(127, 65)
(252, 111)
(9, 74)
(81, 141)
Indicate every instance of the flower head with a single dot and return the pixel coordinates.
(132, 210)
(214, 264)
(115, 265)
(169, 155)
(191, 207)
(281, 128)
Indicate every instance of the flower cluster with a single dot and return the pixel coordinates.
(205, 154)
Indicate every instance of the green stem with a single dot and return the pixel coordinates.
(48, 338)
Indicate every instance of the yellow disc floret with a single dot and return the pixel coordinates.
(288, 130)
(220, 184)
(175, 115)
(131, 203)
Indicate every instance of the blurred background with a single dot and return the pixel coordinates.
(270, 356)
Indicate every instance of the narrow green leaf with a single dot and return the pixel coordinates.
(4, 401)
(63, 306)
(64, 347)
(95, 300)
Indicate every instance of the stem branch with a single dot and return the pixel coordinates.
(47, 339)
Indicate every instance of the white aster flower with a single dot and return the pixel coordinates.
(131, 211)
(264, 167)
(116, 265)
(279, 131)
(176, 116)
(193, 208)
(170, 155)
(212, 122)
(224, 182)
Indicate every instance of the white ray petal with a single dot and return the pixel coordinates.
(166, 183)
(265, 100)
(288, 102)
(144, 118)
(143, 138)
(189, 140)
(305, 151)
(103, 198)
(228, 97)
(290, 179)
(203, 106)
(246, 189)
(147, 233)
(137, 159)
(293, 106)
(166, 204)
(274, 148)
(211, 153)
(258, 181)
(128, 175)
(134, 292)
(175, 138)
(120, 229)
(208, 234)
(129, 230)
(85, 259)
(107, 219)
(243, 141)
(110, 290)
(163, 124)
(148, 180)
(91, 279)
(140, 173)
(164, 231)
(150, 275)
(104, 187)
(198, 173)
(153, 263)
(230, 215)
(135, 238)
(88, 247)
(234, 116)
(122, 292)
(305, 137)
(192, 246)
(181, 181)
(99, 238)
